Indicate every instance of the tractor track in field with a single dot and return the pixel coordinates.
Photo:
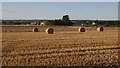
(57, 52)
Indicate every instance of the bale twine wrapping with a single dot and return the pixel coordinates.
(100, 29)
(49, 30)
(35, 29)
(81, 29)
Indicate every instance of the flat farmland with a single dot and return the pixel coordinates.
(66, 47)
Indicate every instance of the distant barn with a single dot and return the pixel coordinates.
(35, 23)
(43, 23)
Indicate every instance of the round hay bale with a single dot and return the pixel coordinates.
(35, 29)
(100, 29)
(81, 29)
(49, 30)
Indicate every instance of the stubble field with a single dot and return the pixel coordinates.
(66, 47)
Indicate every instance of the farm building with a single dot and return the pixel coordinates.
(43, 23)
(35, 23)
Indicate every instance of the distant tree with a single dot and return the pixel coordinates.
(50, 22)
(67, 21)
(59, 22)
(38, 23)
(65, 18)
(55, 22)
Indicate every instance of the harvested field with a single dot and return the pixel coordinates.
(66, 47)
